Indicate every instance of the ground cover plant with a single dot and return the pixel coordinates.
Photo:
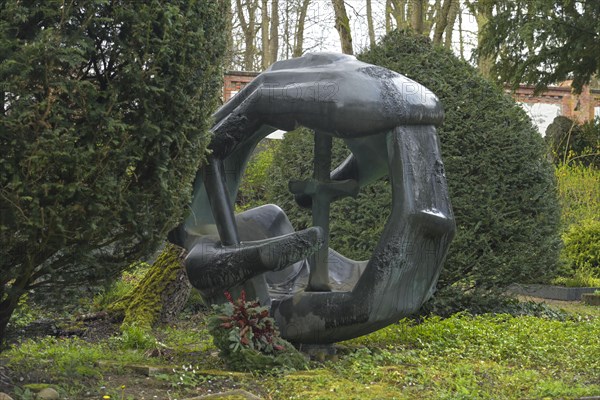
(490, 356)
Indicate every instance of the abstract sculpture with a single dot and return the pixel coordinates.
(316, 294)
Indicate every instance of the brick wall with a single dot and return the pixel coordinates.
(577, 107)
(234, 81)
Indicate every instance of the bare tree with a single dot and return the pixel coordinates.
(299, 32)
(441, 22)
(274, 31)
(388, 14)
(416, 14)
(451, 20)
(429, 17)
(461, 37)
(264, 33)
(399, 9)
(370, 23)
(416, 17)
(269, 28)
(246, 14)
(342, 25)
(483, 12)
(444, 22)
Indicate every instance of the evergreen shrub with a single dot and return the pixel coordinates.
(502, 186)
(104, 111)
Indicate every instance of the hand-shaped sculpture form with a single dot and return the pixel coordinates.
(388, 122)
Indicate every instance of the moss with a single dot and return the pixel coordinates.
(144, 306)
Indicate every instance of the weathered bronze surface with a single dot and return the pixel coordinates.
(316, 294)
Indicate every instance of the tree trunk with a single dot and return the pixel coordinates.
(230, 53)
(483, 15)
(287, 36)
(7, 307)
(248, 29)
(388, 12)
(402, 7)
(441, 22)
(274, 32)
(264, 35)
(452, 14)
(370, 24)
(416, 16)
(160, 295)
(10, 295)
(461, 38)
(397, 8)
(342, 25)
(299, 34)
(430, 16)
(269, 29)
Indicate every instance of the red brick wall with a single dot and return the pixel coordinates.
(577, 107)
(234, 81)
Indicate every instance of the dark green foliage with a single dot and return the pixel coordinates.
(104, 112)
(502, 187)
(248, 339)
(570, 142)
(477, 303)
(541, 42)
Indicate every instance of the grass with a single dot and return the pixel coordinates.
(461, 357)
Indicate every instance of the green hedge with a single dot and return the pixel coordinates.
(502, 187)
(104, 111)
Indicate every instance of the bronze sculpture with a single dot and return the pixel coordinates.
(316, 294)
